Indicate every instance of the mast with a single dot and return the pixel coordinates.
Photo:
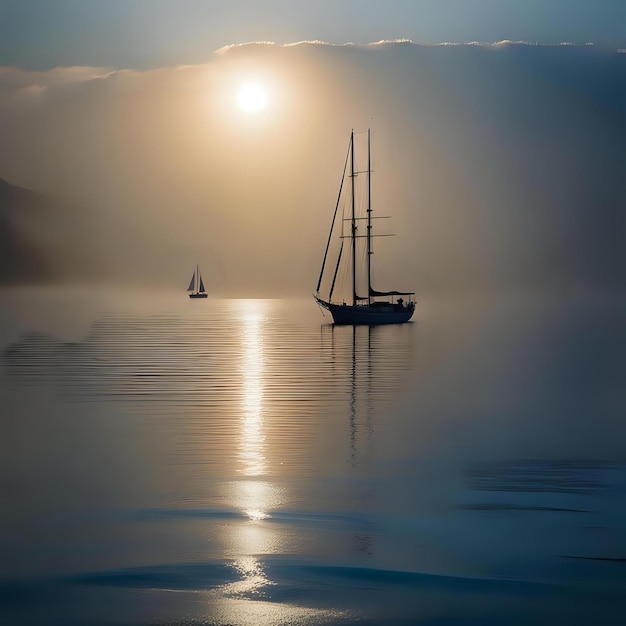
(369, 220)
(353, 226)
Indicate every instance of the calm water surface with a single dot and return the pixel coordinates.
(167, 461)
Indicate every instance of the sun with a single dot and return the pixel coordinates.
(251, 97)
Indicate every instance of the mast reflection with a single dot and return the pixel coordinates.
(372, 364)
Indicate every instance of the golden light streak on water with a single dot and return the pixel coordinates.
(252, 442)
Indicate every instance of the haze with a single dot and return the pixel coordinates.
(501, 164)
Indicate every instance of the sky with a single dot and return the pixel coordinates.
(142, 34)
(500, 162)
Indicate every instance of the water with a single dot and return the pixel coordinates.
(167, 461)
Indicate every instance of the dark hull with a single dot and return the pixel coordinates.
(198, 295)
(368, 314)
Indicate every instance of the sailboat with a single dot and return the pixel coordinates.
(196, 285)
(376, 307)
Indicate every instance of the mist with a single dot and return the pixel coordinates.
(251, 455)
(501, 166)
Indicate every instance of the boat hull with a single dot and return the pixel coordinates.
(368, 314)
(198, 295)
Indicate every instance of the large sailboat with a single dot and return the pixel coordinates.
(196, 285)
(375, 307)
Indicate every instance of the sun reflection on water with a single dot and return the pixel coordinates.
(250, 599)
(253, 579)
(253, 497)
(252, 442)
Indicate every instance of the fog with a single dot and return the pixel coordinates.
(152, 440)
(515, 378)
(501, 165)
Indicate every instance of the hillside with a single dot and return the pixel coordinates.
(43, 238)
(21, 259)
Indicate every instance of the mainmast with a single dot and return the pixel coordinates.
(353, 226)
(369, 220)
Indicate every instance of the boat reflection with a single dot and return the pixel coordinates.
(373, 362)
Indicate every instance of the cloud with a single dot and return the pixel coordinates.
(234, 46)
(307, 42)
(385, 42)
(16, 78)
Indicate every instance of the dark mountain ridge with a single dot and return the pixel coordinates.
(21, 260)
(41, 241)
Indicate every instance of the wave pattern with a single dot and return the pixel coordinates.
(239, 382)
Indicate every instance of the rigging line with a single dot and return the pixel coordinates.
(343, 177)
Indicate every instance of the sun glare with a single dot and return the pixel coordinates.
(251, 97)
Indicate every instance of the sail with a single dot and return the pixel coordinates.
(192, 284)
(373, 292)
(201, 285)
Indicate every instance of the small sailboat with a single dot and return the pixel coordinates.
(196, 285)
(375, 307)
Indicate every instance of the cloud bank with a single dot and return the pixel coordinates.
(501, 164)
